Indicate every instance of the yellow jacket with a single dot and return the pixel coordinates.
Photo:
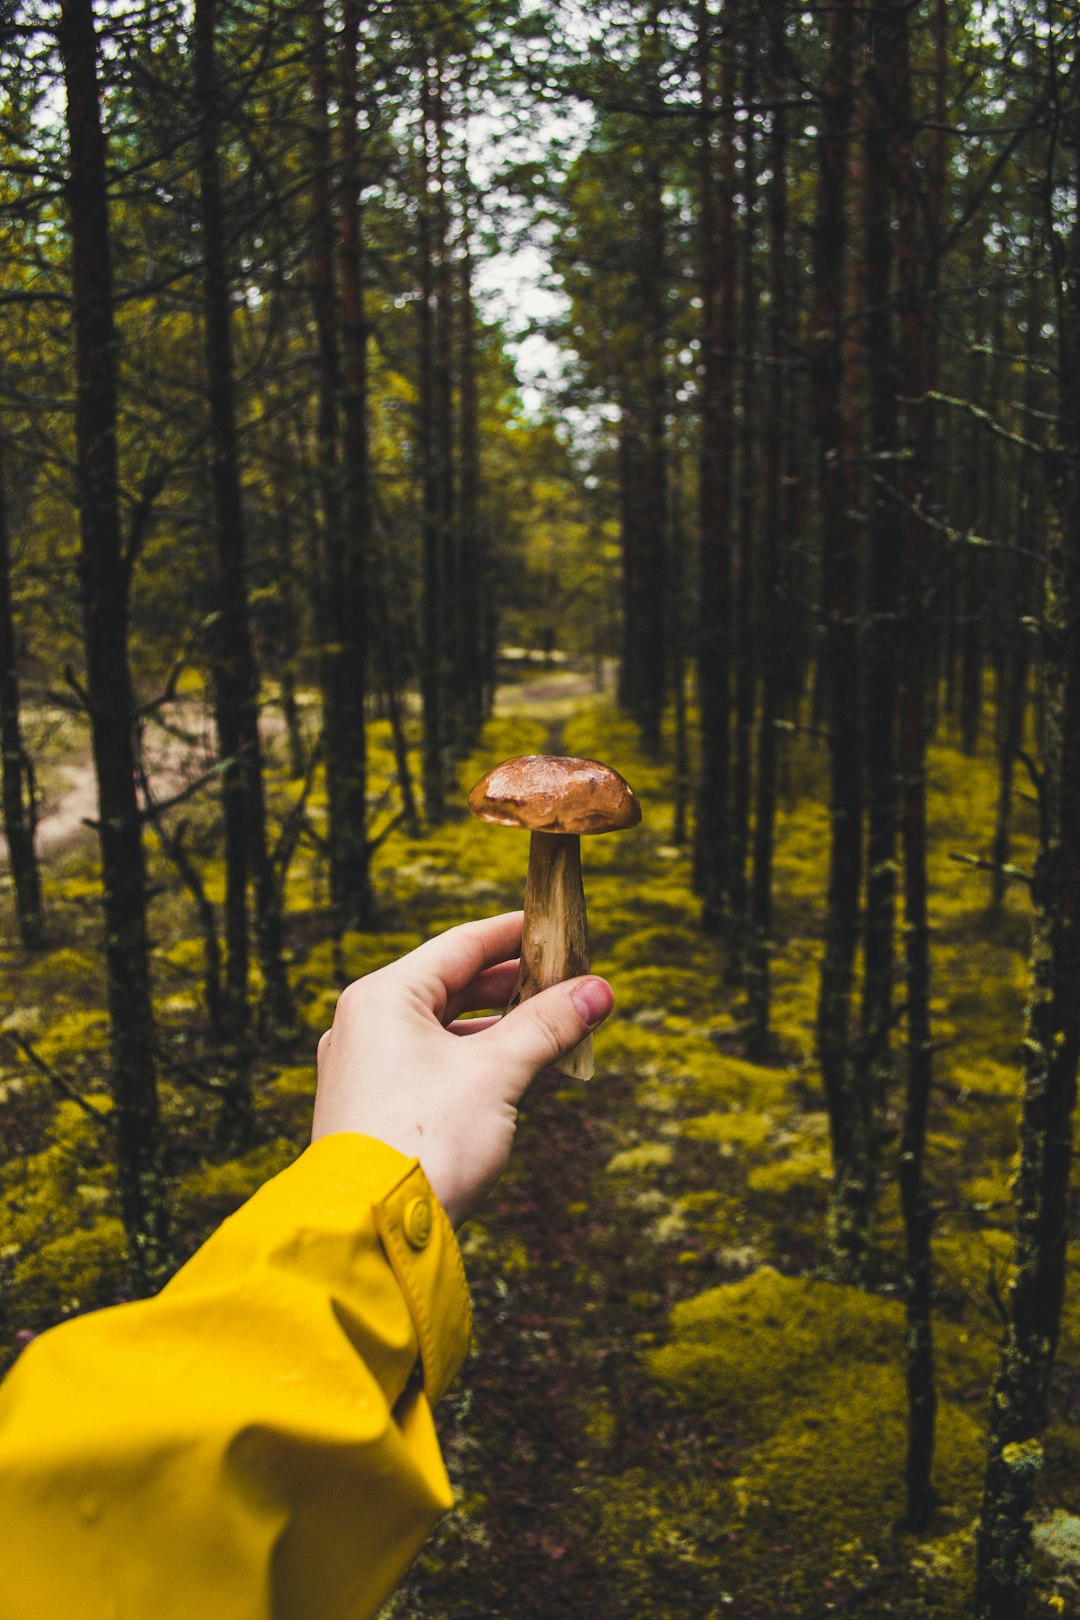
(255, 1443)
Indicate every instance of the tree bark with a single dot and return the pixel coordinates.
(651, 651)
(918, 330)
(629, 464)
(773, 524)
(344, 735)
(746, 549)
(104, 589)
(444, 423)
(677, 631)
(236, 679)
(350, 879)
(475, 563)
(286, 639)
(432, 654)
(1018, 607)
(839, 670)
(881, 644)
(17, 779)
(716, 270)
(1019, 1407)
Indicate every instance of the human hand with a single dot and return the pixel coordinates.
(401, 1064)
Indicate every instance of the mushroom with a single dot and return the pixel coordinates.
(557, 799)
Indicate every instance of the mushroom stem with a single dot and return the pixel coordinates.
(555, 932)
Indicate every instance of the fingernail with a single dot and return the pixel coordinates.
(593, 999)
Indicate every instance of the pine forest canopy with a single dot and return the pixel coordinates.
(348, 346)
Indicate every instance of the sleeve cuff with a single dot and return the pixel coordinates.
(418, 1242)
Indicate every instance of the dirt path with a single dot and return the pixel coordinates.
(552, 686)
(63, 818)
(175, 758)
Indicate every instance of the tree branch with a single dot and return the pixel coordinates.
(982, 864)
(62, 1084)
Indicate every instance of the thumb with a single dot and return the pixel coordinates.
(543, 1029)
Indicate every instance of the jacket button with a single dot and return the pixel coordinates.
(417, 1222)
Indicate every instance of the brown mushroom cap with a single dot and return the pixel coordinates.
(554, 794)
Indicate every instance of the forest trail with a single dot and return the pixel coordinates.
(555, 685)
(176, 758)
(562, 690)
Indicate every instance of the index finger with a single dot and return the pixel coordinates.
(448, 963)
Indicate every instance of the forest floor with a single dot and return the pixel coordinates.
(670, 1411)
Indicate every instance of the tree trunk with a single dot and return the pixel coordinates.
(712, 833)
(104, 581)
(881, 653)
(388, 636)
(1018, 606)
(849, 1214)
(917, 378)
(444, 426)
(677, 631)
(629, 464)
(746, 643)
(328, 592)
(236, 680)
(773, 521)
(17, 781)
(652, 646)
(344, 735)
(432, 652)
(971, 665)
(475, 585)
(1019, 1408)
(286, 638)
(350, 881)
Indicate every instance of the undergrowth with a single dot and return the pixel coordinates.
(730, 1427)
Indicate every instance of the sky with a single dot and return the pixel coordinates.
(515, 285)
(512, 288)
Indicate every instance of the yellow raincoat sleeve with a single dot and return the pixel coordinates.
(255, 1443)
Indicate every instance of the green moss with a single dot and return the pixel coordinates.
(649, 1156)
(45, 1195)
(514, 1258)
(628, 1048)
(600, 1424)
(1059, 1538)
(296, 1082)
(747, 1130)
(836, 1464)
(182, 953)
(672, 947)
(809, 1165)
(989, 1192)
(766, 1339)
(806, 1380)
(666, 1536)
(73, 1034)
(1024, 1458)
(218, 1189)
(983, 1074)
(182, 1003)
(67, 970)
(78, 1271)
(661, 990)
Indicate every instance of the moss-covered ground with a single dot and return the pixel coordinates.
(670, 1412)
